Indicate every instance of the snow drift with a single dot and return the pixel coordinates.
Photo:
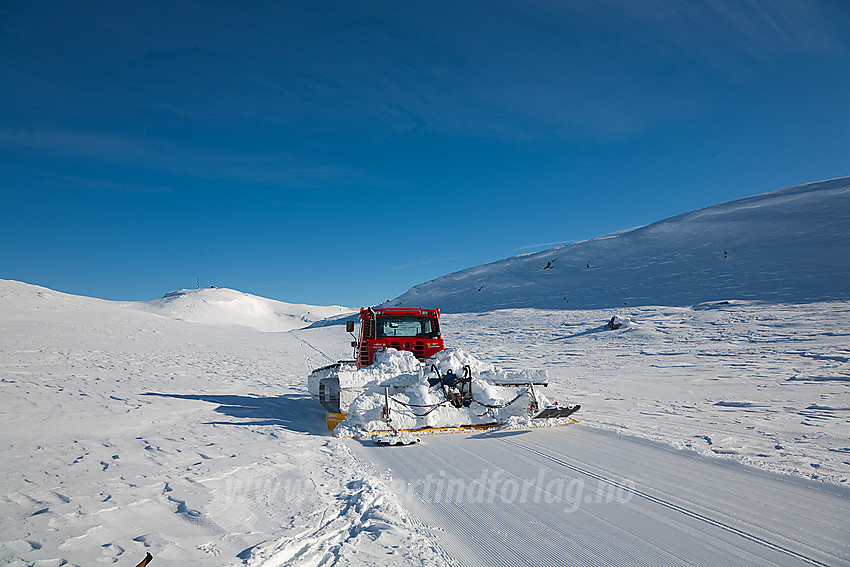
(791, 245)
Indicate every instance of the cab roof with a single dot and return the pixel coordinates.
(402, 311)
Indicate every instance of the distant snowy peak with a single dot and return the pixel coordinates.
(790, 245)
(228, 307)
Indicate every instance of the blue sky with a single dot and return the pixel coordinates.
(342, 152)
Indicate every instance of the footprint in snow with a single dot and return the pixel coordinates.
(112, 550)
(20, 546)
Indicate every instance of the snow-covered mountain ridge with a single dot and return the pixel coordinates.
(790, 245)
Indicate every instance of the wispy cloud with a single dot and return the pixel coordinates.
(604, 70)
(660, 61)
(174, 158)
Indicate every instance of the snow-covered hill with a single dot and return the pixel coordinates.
(791, 245)
(221, 306)
(212, 306)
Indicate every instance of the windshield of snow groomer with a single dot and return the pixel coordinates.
(409, 326)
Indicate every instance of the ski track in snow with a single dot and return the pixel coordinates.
(127, 432)
(543, 497)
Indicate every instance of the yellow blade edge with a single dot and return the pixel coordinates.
(436, 430)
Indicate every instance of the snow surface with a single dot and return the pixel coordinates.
(184, 428)
(790, 246)
(127, 432)
(763, 384)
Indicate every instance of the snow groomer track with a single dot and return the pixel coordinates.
(579, 496)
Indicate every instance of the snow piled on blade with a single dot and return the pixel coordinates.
(417, 400)
(791, 245)
(221, 306)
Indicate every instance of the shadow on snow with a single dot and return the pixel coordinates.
(296, 412)
(593, 331)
